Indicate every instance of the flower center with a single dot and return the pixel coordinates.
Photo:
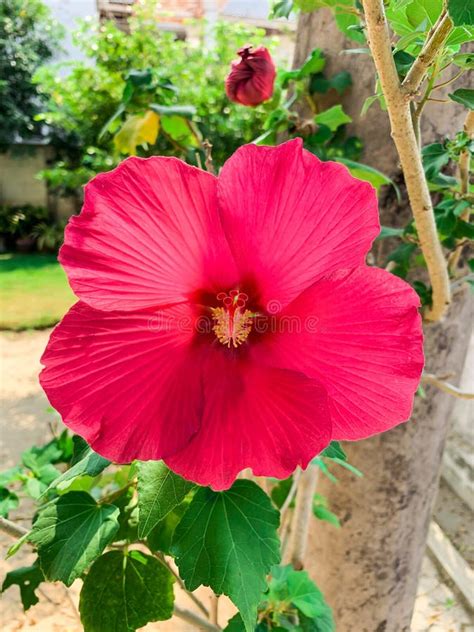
(232, 322)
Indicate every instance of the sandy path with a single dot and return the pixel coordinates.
(25, 421)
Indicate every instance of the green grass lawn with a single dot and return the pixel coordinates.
(34, 291)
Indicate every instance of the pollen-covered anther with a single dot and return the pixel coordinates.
(232, 322)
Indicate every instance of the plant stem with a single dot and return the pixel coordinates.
(195, 619)
(430, 50)
(302, 517)
(9, 527)
(446, 387)
(207, 147)
(161, 558)
(464, 171)
(403, 134)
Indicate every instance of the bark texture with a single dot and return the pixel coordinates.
(368, 570)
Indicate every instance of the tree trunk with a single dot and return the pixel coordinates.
(368, 570)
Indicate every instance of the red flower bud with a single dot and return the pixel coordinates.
(251, 79)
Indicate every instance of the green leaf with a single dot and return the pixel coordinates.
(324, 468)
(435, 157)
(323, 513)
(339, 82)
(464, 96)
(180, 130)
(185, 111)
(366, 173)
(86, 462)
(124, 592)
(348, 466)
(70, 533)
(403, 62)
(228, 541)
(323, 623)
(389, 231)
(313, 64)
(464, 60)
(237, 625)
(11, 475)
(36, 457)
(161, 536)
(27, 578)
(333, 118)
(424, 292)
(333, 451)
(281, 490)
(464, 229)
(140, 77)
(287, 584)
(461, 11)
(350, 25)
(159, 491)
(8, 501)
(281, 9)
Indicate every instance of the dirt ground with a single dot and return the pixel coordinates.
(25, 416)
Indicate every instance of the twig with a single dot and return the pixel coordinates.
(195, 619)
(302, 517)
(161, 558)
(464, 171)
(446, 387)
(15, 530)
(403, 134)
(433, 44)
(448, 81)
(207, 146)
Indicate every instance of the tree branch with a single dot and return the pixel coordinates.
(403, 134)
(195, 619)
(433, 44)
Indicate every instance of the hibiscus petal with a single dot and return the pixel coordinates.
(149, 235)
(291, 218)
(270, 420)
(359, 333)
(125, 382)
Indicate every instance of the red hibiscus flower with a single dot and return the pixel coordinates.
(250, 81)
(230, 322)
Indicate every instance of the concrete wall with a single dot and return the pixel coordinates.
(18, 182)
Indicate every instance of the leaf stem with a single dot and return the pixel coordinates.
(161, 558)
(403, 134)
(12, 529)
